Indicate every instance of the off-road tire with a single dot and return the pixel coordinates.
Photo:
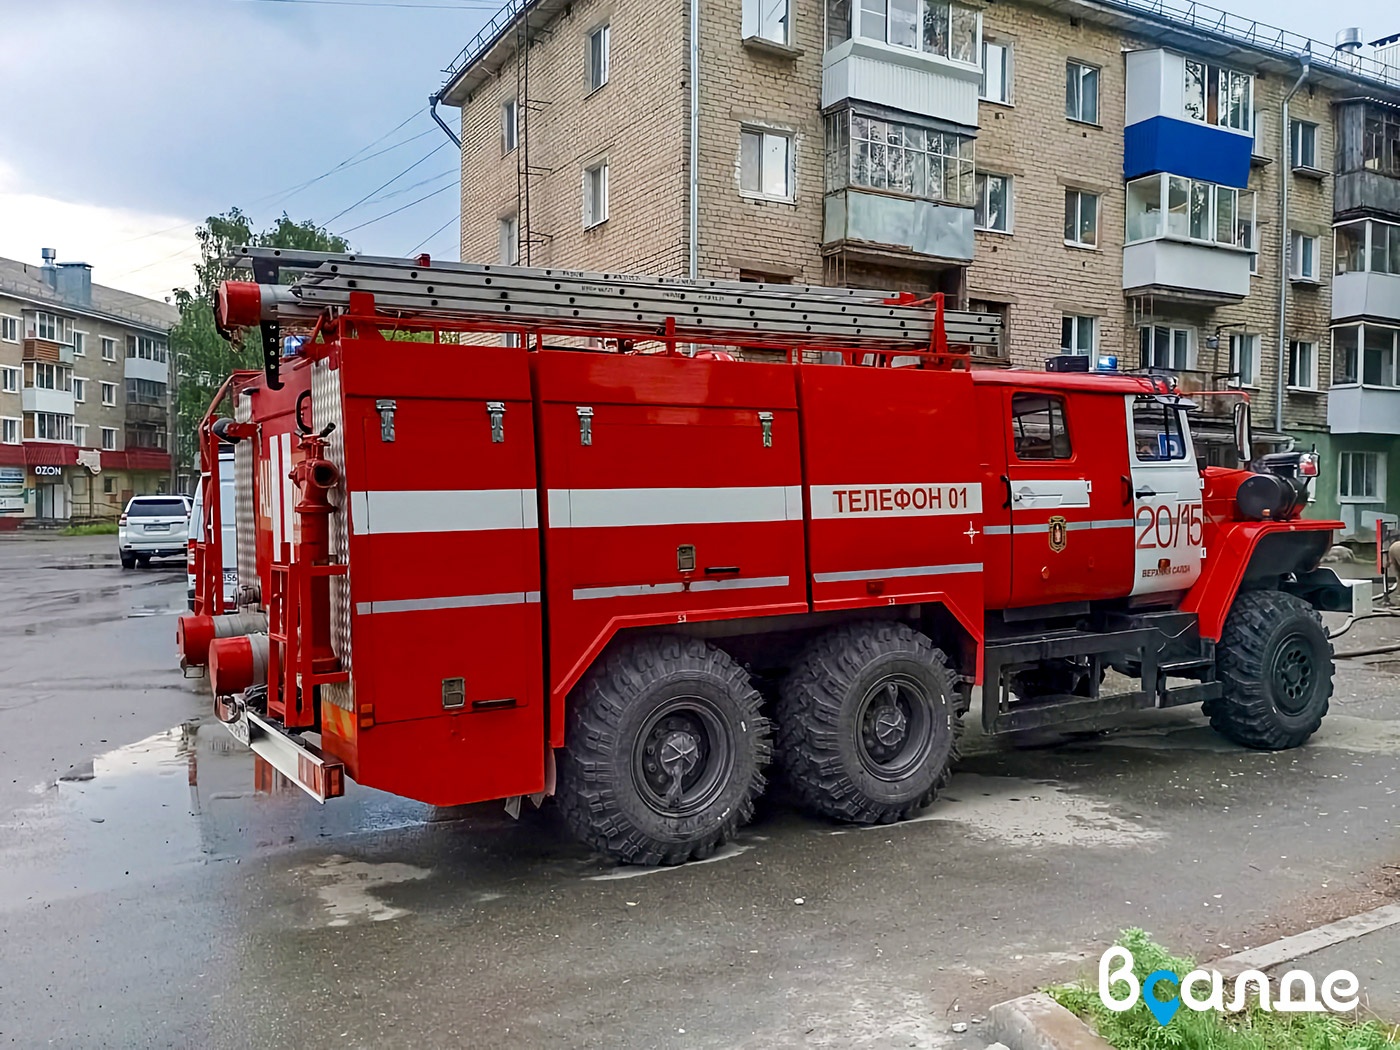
(820, 723)
(601, 793)
(1266, 633)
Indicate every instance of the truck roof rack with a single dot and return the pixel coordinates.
(537, 301)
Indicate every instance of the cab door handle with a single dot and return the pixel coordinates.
(1145, 493)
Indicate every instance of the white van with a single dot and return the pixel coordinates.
(229, 533)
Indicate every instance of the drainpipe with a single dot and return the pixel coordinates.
(694, 139)
(1284, 171)
(432, 112)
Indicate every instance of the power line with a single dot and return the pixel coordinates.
(404, 207)
(385, 185)
(428, 239)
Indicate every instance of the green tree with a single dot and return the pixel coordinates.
(202, 357)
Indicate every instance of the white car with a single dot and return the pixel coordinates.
(153, 527)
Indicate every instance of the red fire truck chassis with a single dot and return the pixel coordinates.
(631, 574)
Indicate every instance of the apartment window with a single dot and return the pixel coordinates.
(9, 380)
(80, 434)
(1302, 364)
(1302, 257)
(1082, 92)
(1380, 139)
(1214, 95)
(10, 430)
(1367, 245)
(50, 426)
(599, 45)
(145, 392)
(768, 20)
(1077, 335)
(935, 27)
(109, 349)
(510, 126)
(991, 209)
(109, 439)
(145, 348)
(1002, 312)
(1165, 346)
(44, 376)
(508, 239)
(1038, 427)
(902, 158)
(79, 344)
(1303, 137)
(1366, 353)
(1244, 359)
(9, 328)
(109, 393)
(595, 194)
(52, 327)
(765, 163)
(79, 390)
(996, 72)
(1173, 206)
(1081, 218)
(1361, 476)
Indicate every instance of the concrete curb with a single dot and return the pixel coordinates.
(1037, 1022)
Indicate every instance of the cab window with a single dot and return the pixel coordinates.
(1038, 427)
(1157, 433)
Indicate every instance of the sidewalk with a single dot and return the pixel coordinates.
(1375, 959)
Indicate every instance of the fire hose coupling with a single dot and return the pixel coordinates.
(237, 664)
(195, 634)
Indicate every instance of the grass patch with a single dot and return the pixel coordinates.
(101, 528)
(1250, 1029)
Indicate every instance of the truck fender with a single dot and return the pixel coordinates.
(1253, 553)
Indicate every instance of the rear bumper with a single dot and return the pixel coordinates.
(152, 550)
(306, 765)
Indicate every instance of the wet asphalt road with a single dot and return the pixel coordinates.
(149, 896)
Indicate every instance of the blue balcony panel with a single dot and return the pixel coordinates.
(1185, 147)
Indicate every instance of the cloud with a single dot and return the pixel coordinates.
(145, 252)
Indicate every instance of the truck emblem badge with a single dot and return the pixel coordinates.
(1059, 533)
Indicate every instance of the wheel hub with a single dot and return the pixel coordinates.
(680, 753)
(682, 756)
(890, 726)
(895, 727)
(1293, 675)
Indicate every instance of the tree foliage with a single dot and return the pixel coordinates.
(202, 357)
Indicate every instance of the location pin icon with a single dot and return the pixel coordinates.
(1164, 1011)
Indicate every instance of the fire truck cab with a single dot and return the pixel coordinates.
(631, 575)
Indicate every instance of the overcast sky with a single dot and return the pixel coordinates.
(125, 122)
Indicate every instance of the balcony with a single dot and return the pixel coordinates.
(1365, 191)
(143, 411)
(48, 351)
(903, 225)
(870, 71)
(37, 399)
(145, 368)
(1357, 295)
(1363, 410)
(1186, 271)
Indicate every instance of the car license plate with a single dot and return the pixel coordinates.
(231, 577)
(157, 528)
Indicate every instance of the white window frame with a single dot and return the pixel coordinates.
(853, 136)
(1244, 213)
(10, 379)
(758, 23)
(1296, 132)
(106, 401)
(79, 343)
(1003, 97)
(1344, 475)
(14, 423)
(109, 444)
(1239, 378)
(596, 73)
(80, 434)
(9, 328)
(79, 389)
(599, 167)
(109, 344)
(508, 239)
(1075, 331)
(880, 11)
(1293, 344)
(982, 199)
(62, 423)
(1220, 77)
(1368, 246)
(764, 135)
(510, 125)
(1296, 241)
(1172, 330)
(1075, 73)
(1079, 217)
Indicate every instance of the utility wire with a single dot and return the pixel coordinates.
(385, 185)
(404, 207)
(428, 239)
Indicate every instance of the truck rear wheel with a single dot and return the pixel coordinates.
(664, 752)
(867, 724)
(1276, 666)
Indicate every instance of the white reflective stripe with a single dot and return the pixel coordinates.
(739, 583)
(442, 510)
(912, 500)
(289, 492)
(1076, 526)
(899, 571)
(620, 508)
(640, 589)
(460, 601)
(275, 493)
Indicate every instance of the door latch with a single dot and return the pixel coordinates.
(386, 408)
(585, 425)
(765, 420)
(497, 411)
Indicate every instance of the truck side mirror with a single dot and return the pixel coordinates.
(1244, 438)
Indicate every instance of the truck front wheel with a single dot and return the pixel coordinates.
(1276, 667)
(867, 724)
(664, 752)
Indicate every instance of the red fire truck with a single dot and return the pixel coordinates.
(674, 530)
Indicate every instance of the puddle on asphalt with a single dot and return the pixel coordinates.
(344, 887)
(1025, 813)
(726, 853)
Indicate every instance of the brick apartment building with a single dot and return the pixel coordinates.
(84, 393)
(1104, 174)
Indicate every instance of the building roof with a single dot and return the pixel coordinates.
(27, 281)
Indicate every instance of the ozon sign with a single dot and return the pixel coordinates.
(48, 472)
(916, 499)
